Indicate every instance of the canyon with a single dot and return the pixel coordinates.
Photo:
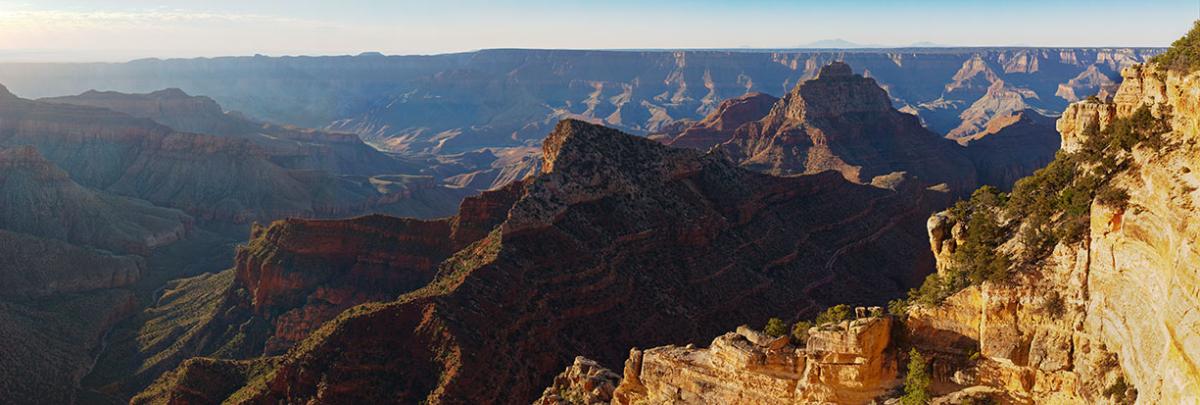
(1106, 319)
(461, 228)
(454, 103)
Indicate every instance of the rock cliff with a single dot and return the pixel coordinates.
(852, 129)
(846, 362)
(837, 121)
(1111, 318)
(618, 242)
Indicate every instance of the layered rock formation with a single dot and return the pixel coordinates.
(292, 277)
(109, 151)
(843, 122)
(845, 363)
(41, 200)
(619, 242)
(508, 97)
(1119, 307)
(583, 382)
(718, 127)
(1012, 147)
(289, 147)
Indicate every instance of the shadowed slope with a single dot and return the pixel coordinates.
(619, 242)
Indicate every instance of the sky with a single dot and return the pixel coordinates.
(118, 30)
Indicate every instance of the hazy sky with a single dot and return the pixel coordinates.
(124, 29)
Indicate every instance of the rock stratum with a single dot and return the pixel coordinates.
(845, 122)
(462, 102)
(210, 177)
(1130, 290)
(1106, 319)
(618, 242)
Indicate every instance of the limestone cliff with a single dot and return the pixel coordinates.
(1119, 306)
(846, 362)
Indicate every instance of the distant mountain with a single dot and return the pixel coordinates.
(836, 43)
(290, 147)
(232, 179)
(455, 103)
(843, 122)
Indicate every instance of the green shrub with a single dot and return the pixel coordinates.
(836, 313)
(1054, 306)
(1113, 196)
(800, 331)
(1120, 392)
(775, 327)
(1184, 54)
(898, 307)
(916, 383)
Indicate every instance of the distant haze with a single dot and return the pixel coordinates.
(82, 30)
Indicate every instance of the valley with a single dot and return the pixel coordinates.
(511, 226)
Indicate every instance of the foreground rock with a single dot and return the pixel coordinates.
(584, 382)
(846, 363)
(1118, 308)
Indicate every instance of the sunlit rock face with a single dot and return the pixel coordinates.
(847, 362)
(1123, 304)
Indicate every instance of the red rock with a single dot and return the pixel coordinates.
(621, 242)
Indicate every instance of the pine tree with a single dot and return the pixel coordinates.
(916, 383)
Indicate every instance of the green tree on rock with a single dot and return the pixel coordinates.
(775, 328)
(916, 383)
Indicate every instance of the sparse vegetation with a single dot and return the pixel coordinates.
(775, 328)
(916, 383)
(1184, 54)
(898, 307)
(800, 332)
(836, 313)
(1051, 206)
(1054, 305)
(1121, 392)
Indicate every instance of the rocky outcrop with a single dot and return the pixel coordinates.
(999, 101)
(846, 363)
(718, 127)
(620, 242)
(583, 382)
(837, 121)
(1117, 307)
(1087, 83)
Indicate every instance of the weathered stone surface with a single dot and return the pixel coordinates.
(584, 382)
(845, 363)
(1122, 305)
